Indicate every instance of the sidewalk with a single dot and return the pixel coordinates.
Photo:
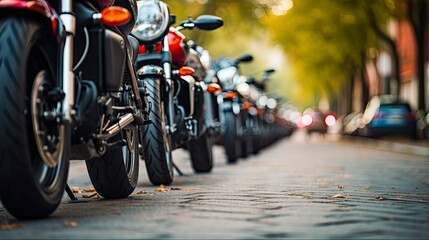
(392, 144)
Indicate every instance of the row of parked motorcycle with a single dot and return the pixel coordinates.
(113, 83)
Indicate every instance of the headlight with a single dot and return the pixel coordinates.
(244, 89)
(228, 75)
(152, 22)
(271, 103)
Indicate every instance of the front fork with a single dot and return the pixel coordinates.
(66, 71)
(170, 89)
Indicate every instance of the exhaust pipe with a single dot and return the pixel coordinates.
(125, 121)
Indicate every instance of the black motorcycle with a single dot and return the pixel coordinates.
(173, 73)
(233, 108)
(69, 91)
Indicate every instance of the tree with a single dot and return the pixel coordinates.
(325, 41)
(416, 14)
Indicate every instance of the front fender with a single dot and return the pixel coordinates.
(40, 7)
(151, 70)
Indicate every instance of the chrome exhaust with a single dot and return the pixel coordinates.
(126, 120)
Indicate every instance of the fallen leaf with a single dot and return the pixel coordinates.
(176, 189)
(76, 190)
(10, 226)
(93, 196)
(162, 188)
(141, 192)
(340, 186)
(71, 224)
(89, 190)
(379, 198)
(339, 196)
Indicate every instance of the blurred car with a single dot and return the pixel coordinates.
(313, 120)
(387, 115)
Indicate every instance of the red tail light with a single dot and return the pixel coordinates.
(307, 120)
(330, 120)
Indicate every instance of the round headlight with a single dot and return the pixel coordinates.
(244, 89)
(152, 22)
(228, 75)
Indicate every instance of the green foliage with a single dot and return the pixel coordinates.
(325, 40)
(322, 39)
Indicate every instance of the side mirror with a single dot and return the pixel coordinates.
(269, 70)
(244, 58)
(208, 22)
(172, 19)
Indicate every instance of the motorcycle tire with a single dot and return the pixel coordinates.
(34, 152)
(201, 153)
(155, 139)
(247, 144)
(115, 174)
(231, 142)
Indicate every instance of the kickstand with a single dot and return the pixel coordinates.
(178, 170)
(70, 193)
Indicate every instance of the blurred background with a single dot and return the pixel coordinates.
(330, 54)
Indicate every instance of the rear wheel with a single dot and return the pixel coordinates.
(155, 138)
(115, 174)
(34, 152)
(201, 153)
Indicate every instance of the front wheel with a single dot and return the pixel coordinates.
(34, 150)
(231, 140)
(155, 138)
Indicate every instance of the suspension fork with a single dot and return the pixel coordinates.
(66, 69)
(170, 86)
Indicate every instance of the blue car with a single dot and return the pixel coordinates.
(389, 116)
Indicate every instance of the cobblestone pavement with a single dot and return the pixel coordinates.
(298, 188)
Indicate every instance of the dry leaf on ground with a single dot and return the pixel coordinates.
(340, 186)
(176, 189)
(70, 224)
(141, 192)
(162, 188)
(379, 198)
(93, 196)
(339, 196)
(89, 190)
(10, 226)
(76, 190)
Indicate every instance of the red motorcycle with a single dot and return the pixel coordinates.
(173, 74)
(69, 90)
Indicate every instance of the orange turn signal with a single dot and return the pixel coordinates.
(247, 105)
(213, 87)
(230, 95)
(186, 71)
(115, 16)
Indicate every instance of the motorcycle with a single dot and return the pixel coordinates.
(259, 111)
(233, 108)
(69, 91)
(173, 73)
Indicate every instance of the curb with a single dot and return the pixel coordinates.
(406, 148)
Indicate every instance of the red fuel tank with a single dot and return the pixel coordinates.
(178, 47)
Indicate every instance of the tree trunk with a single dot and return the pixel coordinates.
(364, 82)
(392, 45)
(417, 17)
